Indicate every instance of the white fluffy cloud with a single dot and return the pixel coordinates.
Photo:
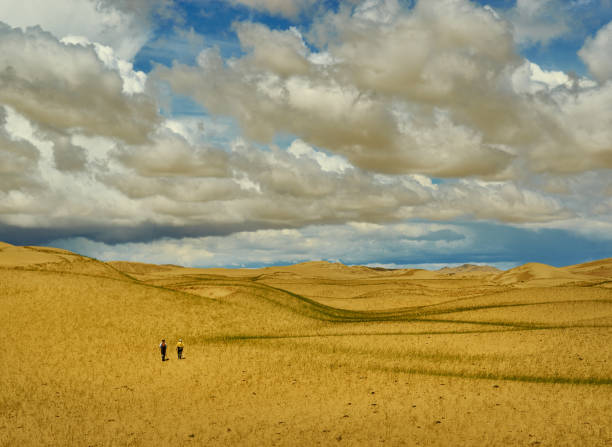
(67, 87)
(133, 81)
(329, 163)
(347, 99)
(530, 78)
(597, 53)
(437, 90)
(539, 21)
(109, 23)
(171, 182)
(281, 52)
(18, 161)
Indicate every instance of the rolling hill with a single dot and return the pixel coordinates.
(315, 353)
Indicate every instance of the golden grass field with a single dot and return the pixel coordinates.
(311, 354)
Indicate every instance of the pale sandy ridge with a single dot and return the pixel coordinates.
(541, 275)
(470, 269)
(53, 259)
(602, 267)
(531, 274)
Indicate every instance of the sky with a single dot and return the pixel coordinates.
(248, 133)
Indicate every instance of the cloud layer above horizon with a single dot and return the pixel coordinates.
(373, 132)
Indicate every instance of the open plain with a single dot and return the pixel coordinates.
(310, 354)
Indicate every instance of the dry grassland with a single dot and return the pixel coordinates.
(313, 354)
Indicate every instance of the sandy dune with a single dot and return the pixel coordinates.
(54, 259)
(11, 255)
(541, 275)
(310, 354)
(470, 270)
(601, 268)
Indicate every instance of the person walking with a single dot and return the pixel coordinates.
(179, 348)
(162, 348)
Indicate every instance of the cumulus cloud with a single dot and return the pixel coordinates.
(548, 22)
(170, 155)
(180, 188)
(596, 53)
(68, 156)
(506, 202)
(539, 21)
(427, 54)
(171, 184)
(18, 161)
(378, 11)
(281, 52)
(324, 113)
(575, 135)
(67, 87)
(530, 78)
(346, 99)
(329, 163)
(174, 188)
(438, 89)
(122, 25)
(133, 81)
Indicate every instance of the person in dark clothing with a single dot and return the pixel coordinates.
(162, 348)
